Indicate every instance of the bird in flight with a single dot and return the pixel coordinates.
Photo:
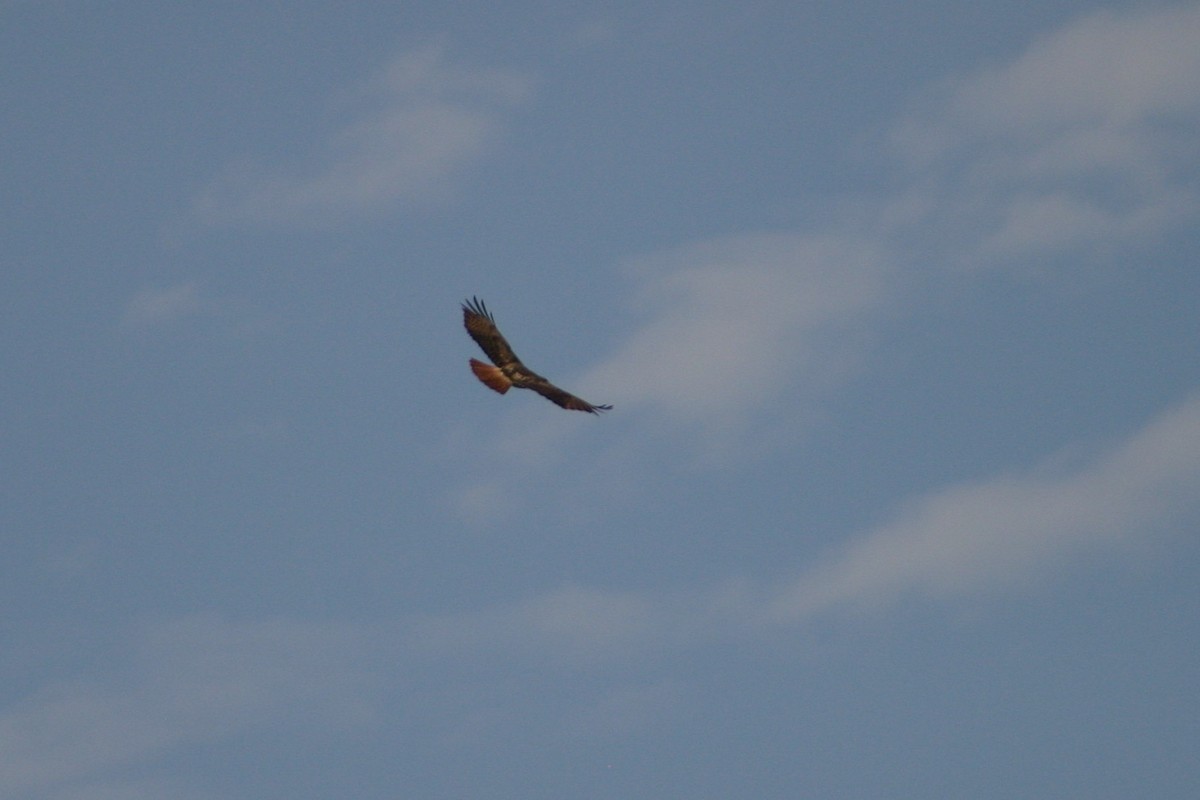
(508, 370)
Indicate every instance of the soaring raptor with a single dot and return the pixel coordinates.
(508, 370)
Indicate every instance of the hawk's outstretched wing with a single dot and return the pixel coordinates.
(481, 325)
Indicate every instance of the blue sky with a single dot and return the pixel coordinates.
(896, 305)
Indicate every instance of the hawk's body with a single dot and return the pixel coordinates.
(508, 371)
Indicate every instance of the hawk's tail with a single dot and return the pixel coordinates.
(492, 377)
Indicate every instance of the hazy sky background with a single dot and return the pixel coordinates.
(897, 304)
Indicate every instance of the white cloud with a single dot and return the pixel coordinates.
(424, 120)
(968, 537)
(572, 622)
(153, 306)
(1056, 221)
(955, 540)
(194, 680)
(1107, 72)
(735, 320)
(1087, 137)
(1113, 68)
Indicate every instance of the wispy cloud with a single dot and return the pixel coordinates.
(572, 623)
(955, 540)
(199, 679)
(1085, 138)
(157, 305)
(974, 536)
(193, 680)
(734, 320)
(421, 121)
(1107, 68)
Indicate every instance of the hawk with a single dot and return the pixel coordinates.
(508, 370)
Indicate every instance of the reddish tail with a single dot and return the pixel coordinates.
(492, 377)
